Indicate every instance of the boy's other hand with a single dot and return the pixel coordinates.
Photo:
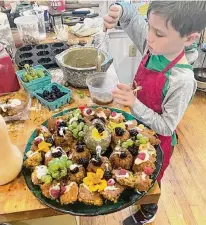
(112, 18)
(124, 95)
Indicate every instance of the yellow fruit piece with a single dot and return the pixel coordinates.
(143, 147)
(97, 136)
(44, 146)
(141, 126)
(113, 125)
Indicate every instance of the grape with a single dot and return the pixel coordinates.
(124, 145)
(63, 172)
(69, 163)
(46, 179)
(143, 140)
(139, 136)
(81, 134)
(70, 127)
(85, 128)
(56, 175)
(129, 142)
(137, 143)
(63, 158)
(26, 66)
(75, 131)
(62, 164)
(53, 166)
(80, 117)
(79, 127)
(30, 78)
(81, 124)
(74, 124)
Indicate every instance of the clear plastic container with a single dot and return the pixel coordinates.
(100, 87)
(41, 23)
(28, 29)
(6, 37)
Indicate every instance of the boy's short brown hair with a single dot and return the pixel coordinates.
(186, 17)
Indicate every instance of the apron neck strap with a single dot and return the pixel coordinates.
(173, 62)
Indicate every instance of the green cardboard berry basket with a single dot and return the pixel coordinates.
(37, 83)
(58, 102)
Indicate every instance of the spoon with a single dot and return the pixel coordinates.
(99, 57)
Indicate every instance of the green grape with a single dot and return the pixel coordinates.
(137, 142)
(30, 78)
(69, 163)
(35, 77)
(80, 117)
(129, 142)
(63, 172)
(53, 166)
(75, 135)
(75, 131)
(79, 127)
(63, 158)
(81, 124)
(78, 111)
(74, 124)
(143, 140)
(124, 145)
(85, 128)
(62, 164)
(46, 179)
(56, 175)
(139, 136)
(70, 127)
(26, 66)
(25, 79)
(40, 73)
(81, 134)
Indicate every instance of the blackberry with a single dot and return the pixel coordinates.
(107, 175)
(97, 161)
(133, 132)
(75, 170)
(119, 131)
(80, 148)
(51, 141)
(123, 155)
(45, 93)
(57, 154)
(79, 142)
(84, 162)
(133, 150)
(99, 127)
(54, 87)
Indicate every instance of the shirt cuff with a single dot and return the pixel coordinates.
(138, 108)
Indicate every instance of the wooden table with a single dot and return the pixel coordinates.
(16, 201)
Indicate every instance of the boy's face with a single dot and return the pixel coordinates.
(162, 38)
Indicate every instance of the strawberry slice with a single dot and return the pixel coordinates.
(113, 114)
(141, 156)
(82, 107)
(122, 172)
(37, 141)
(110, 182)
(63, 189)
(148, 170)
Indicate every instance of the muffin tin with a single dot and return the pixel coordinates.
(43, 54)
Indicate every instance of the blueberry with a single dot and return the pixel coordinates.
(133, 132)
(99, 127)
(119, 131)
(50, 140)
(75, 170)
(123, 155)
(84, 162)
(97, 161)
(80, 148)
(107, 175)
(57, 153)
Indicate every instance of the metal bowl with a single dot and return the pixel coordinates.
(79, 62)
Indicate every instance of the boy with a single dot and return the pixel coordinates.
(166, 79)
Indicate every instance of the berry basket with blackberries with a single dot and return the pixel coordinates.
(53, 96)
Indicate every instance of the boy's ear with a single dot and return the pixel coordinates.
(191, 38)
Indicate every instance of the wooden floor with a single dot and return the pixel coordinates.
(183, 198)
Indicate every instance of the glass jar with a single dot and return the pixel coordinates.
(28, 29)
(6, 37)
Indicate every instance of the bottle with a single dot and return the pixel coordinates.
(11, 159)
(8, 78)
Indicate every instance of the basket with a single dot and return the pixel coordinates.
(58, 102)
(37, 83)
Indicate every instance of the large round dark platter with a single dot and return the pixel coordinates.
(127, 198)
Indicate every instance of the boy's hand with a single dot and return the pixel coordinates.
(124, 95)
(112, 18)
